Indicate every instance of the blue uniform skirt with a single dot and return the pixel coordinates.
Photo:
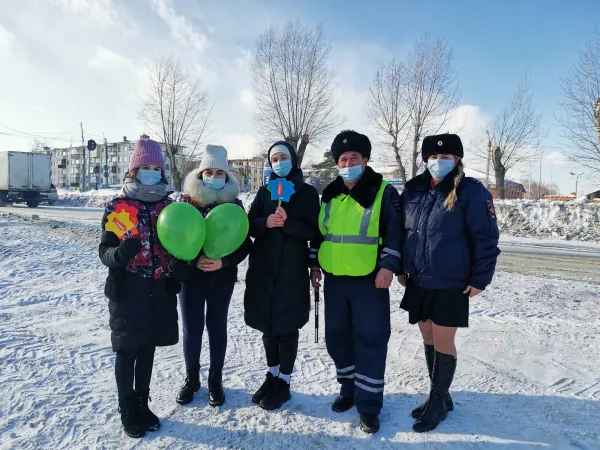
(444, 307)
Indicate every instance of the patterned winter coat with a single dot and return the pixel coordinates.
(141, 291)
(205, 200)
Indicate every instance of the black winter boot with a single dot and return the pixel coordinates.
(216, 396)
(429, 356)
(129, 409)
(264, 389)
(191, 386)
(342, 404)
(147, 418)
(277, 396)
(369, 423)
(443, 373)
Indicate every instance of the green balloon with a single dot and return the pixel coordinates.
(181, 230)
(226, 230)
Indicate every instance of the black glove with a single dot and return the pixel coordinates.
(181, 270)
(129, 248)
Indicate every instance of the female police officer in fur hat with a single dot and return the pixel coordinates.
(449, 255)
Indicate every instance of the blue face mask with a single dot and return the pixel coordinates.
(351, 174)
(440, 168)
(149, 177)
(215, 184)
(282, 168)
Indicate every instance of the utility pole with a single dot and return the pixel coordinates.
(106, 156)
(540, 182)
(83, 166)
(489, 161)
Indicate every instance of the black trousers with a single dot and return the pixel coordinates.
(281, 351)
(134, 365)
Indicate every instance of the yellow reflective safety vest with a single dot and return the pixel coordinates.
(351, 235)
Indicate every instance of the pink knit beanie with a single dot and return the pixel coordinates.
(147, 153)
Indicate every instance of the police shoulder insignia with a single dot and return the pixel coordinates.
(491, 209)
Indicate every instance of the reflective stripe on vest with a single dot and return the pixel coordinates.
(354, 253)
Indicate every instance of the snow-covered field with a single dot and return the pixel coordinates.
(528, 373)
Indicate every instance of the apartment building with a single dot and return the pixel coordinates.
(248, 173)
(68, 169)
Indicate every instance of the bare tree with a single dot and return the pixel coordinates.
(39, 145)
(580, 121)
(177, 110)
(513, 135)
(388, 110)
(294, 90)
(432, 91)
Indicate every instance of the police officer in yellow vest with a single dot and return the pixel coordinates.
(358, 249)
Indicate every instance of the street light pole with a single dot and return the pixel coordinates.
(576, 175)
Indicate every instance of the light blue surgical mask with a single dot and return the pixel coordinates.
(215, 184)
(351, 174)
(149, 177)
(282, 168)
(440, 168)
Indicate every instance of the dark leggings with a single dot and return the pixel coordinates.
(192, 299)
(134, 363)
(281, 351)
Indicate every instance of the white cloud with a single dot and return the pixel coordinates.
(180, 28)
(7, 40)
(109, 60)
(557, 159)
(246, 97)
(100, 12)
(239, 145)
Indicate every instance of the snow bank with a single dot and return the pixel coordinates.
(89, 199)
(576, 220)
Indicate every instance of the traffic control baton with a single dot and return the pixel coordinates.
(316, 316)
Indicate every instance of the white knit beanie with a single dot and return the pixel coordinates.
(215, 157)
(279, 148)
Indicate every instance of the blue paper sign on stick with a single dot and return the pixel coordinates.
(281, 189)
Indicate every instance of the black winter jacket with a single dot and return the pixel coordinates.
(277, 297)
(141, 292)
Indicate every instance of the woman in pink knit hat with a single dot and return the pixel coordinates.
(142, 293)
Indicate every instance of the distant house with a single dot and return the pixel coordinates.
(593, 195)
(512, 190)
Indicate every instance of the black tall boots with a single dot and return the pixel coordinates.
(429, 356)
(436, 410)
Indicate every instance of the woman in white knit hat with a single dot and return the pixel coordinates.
(208, 282)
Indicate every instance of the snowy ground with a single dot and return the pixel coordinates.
(527, 375)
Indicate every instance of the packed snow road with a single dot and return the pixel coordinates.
(508, 245)
(527, 374)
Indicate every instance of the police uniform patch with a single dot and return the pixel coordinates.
(491, 209)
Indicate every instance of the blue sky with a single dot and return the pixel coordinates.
(83, 60)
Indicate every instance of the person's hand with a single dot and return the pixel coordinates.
(275, 220)
(402, 280)
(472, 291)
(384, 278)
(315, 278)
(281, 212)
(209, 265)
(130, 248)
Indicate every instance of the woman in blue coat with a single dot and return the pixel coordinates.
(449, 255)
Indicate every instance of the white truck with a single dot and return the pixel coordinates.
(24, 177)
